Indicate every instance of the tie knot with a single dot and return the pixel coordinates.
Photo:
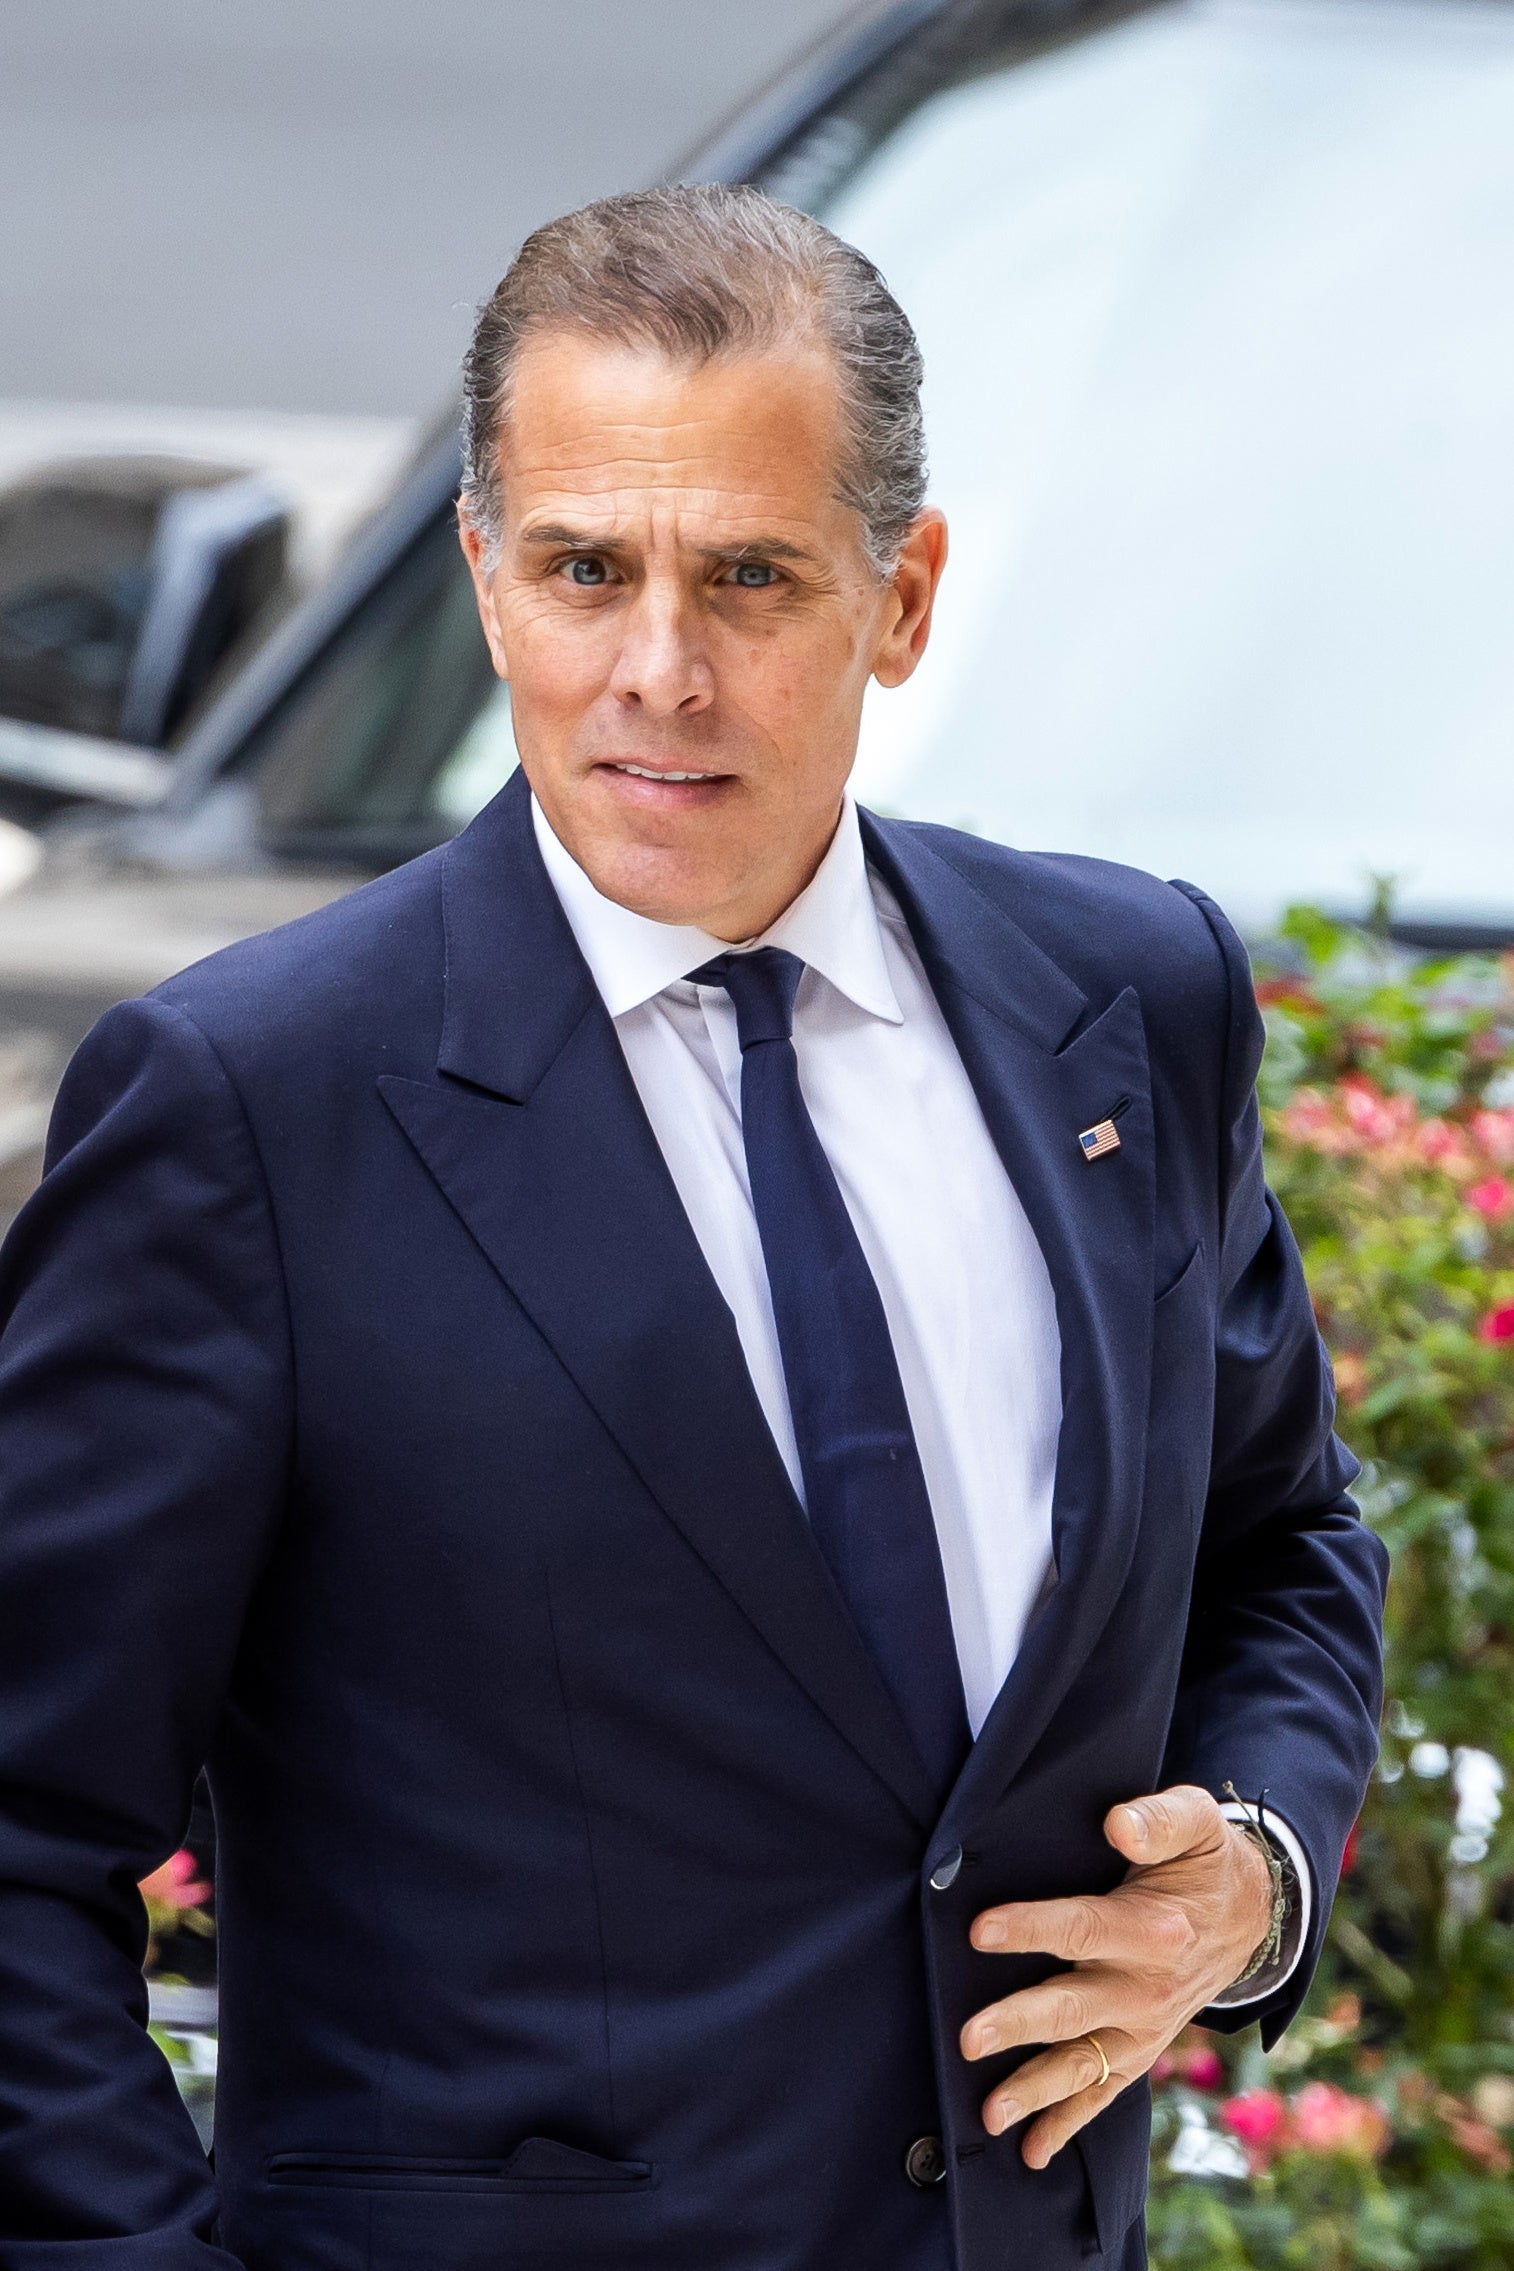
(762, 986)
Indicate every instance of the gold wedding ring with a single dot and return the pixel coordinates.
(1103, 2060)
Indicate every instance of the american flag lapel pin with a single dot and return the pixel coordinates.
(1096, 1141)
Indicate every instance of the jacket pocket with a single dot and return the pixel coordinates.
(1115, 2149)
(540, 2164)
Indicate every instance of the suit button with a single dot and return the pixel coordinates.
(945, 1871)
(925, 2162)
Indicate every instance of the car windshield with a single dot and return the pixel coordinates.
(1219, 338)
(1219, 344)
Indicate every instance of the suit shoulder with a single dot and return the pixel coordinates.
(334, 980)
(1108, 926)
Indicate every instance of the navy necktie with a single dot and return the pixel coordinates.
(863, 1483)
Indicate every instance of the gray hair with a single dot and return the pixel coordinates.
(698, 272)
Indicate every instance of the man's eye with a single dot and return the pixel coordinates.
(753, 575)
(585, 571)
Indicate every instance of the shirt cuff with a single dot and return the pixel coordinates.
(1276, 1974)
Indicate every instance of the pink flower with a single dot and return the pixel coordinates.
(1494, 1132)
(1307, 1117)
(175, 1885)
(1285, 993)
(1356, 1117)
(1328, 2120)
(1481, 2143)
(1192, 2059)
(1441, 1145)
(1376, 1118)
(1311, 1120)
(1498, 1325)
(1494, 1198)
(1350, 1377)
(1256, 2117)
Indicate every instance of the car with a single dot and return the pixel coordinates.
(127, 583)
(1213, 306)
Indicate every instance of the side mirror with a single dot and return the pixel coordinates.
(124, 583)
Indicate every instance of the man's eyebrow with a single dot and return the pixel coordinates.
(553, 532)
(760, 548)
(558, 533)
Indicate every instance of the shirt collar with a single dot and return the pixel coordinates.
(832, 926)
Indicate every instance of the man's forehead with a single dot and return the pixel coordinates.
(622, 427)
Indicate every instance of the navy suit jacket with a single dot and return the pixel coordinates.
(372, 1429)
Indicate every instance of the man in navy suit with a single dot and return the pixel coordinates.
(696, 1406)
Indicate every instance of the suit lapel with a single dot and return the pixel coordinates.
(536, 1135)
(1043, 1070)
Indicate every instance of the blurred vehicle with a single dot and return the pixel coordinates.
(125, 583)
(1214, 308)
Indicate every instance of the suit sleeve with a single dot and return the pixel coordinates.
(1281, 1685)
(145, 1428)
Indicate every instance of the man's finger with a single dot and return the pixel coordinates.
(1058, 2010)
(1088, 1929)
(1164, 1825)
(1046, 2137)
(1055, 2075)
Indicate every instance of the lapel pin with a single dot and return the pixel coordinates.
(1102, 1138)
(1096, 1141)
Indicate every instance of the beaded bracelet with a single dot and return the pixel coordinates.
(1253, 1825)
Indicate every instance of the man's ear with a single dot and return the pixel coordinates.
(917, 572)
(475, 552)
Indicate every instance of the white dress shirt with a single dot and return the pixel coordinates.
(964, 1285)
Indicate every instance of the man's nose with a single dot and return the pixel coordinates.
(663, 665)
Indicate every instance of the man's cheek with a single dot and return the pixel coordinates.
(551, 678)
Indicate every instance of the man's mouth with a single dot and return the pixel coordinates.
(664, 788)
(660, 773)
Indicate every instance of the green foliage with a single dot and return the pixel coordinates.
(1377, 2133)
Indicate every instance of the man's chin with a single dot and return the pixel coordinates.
(667, 883)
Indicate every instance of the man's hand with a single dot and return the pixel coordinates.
(1193, 1910)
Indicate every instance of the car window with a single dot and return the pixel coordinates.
(400, 731)
(1219, 343)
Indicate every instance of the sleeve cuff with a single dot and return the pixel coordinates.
(1276, 1974)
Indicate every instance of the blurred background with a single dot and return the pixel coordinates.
(261, 232)
(1217, 305)
(1214, 299)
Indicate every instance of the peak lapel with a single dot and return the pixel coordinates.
(549, 1160)
(1041, 1077)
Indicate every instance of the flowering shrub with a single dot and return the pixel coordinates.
(1379, 2132)
(175, 1898)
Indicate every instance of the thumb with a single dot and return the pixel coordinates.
(1163, 1825)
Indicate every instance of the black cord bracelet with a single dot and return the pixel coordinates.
(1253, 1824)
